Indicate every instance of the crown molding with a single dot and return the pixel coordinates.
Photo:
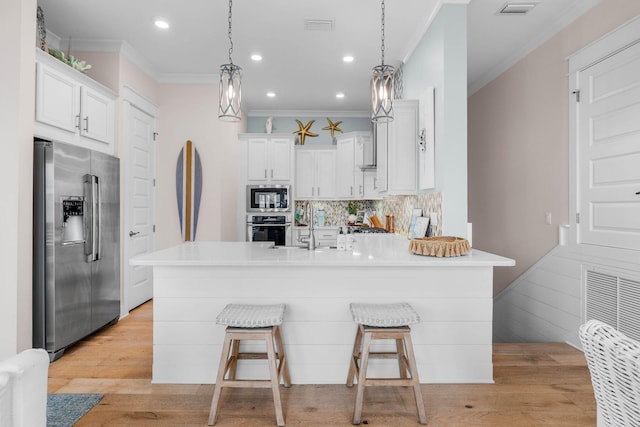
(307, 113)
(572, 13)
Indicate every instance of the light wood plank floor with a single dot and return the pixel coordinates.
(535, 385)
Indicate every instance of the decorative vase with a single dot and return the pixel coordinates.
(352, 219)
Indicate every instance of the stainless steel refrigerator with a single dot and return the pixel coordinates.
(76, 250)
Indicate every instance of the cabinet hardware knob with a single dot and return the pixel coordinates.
(637, 193)
(78, 121)
(133, 233)
(86, 124)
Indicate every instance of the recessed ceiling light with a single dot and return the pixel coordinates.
(256, 57)
(347, 58)
(161, 23)
(271, 94)
(339, 95)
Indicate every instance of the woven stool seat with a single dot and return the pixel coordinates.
(384, 315)
(251, 315)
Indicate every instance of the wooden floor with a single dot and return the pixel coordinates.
(535, 385)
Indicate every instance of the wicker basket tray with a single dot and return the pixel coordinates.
(444, 246)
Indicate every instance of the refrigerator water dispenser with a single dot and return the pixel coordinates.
(72, 220)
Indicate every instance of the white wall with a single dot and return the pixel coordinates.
(190, 112)
(17, 89)
(519, 146)
(440, 60)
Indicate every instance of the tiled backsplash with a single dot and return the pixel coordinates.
(402, 206)
(399, 206)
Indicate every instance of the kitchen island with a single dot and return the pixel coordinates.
(195, 280)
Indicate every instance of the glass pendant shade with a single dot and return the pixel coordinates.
(382, 94)
(230, 93)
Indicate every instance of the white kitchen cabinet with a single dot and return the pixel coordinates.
(269, 158)
(345, 163)
(397, 145)
(315, 173)
(354, 150)
(71, 107)
(324, 236)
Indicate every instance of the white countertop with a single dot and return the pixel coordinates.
(388, 250)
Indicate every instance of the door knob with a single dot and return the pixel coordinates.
(133, 233)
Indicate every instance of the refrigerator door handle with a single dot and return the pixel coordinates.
(92, 245)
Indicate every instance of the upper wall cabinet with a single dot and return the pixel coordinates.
(71, 107)
(354, 150)
(269, 158)
(397, 149)
(315, 172)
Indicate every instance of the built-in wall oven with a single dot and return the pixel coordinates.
(268, 198)
(274, 228)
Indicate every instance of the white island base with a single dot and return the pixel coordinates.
(194, 281)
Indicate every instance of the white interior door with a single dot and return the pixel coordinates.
(140, 207)
(609, 151)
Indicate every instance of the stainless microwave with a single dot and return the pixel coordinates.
(268, 198)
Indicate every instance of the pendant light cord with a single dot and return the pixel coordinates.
(229, 34)
(382, 37)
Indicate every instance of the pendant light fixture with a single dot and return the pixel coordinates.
(382, 91)
(230, 85)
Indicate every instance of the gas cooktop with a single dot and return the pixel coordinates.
(368, 230)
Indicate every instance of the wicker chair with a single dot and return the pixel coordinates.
(614, 364)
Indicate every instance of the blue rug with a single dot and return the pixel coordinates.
(64, 410)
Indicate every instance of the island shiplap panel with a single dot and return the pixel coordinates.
(452, 341)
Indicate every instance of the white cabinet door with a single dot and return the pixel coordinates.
(345, 161)
(369, 185)
(257, 159)
(57, 99)
(305, 174)
(403, 148)
(426, 147)
(326, 174)
(382, 139)
(97, 115)
(279, 159)
(269, 159)
(315, 174)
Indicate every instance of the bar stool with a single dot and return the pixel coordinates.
(251, 322)
(384, 321)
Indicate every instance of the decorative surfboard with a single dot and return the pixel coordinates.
(188, 189)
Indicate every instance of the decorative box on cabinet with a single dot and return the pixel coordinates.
(397, 149)
(315, 172)
(73, 108)
(269, 157)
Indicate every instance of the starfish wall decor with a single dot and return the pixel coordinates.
(333, 127)
(304, 130)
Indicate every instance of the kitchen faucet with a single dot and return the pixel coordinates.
(310, 241)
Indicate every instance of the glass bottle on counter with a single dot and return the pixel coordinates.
(341, 242)
(349, 240)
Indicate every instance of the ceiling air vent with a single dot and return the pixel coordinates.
(516, 8)
(318, 25)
